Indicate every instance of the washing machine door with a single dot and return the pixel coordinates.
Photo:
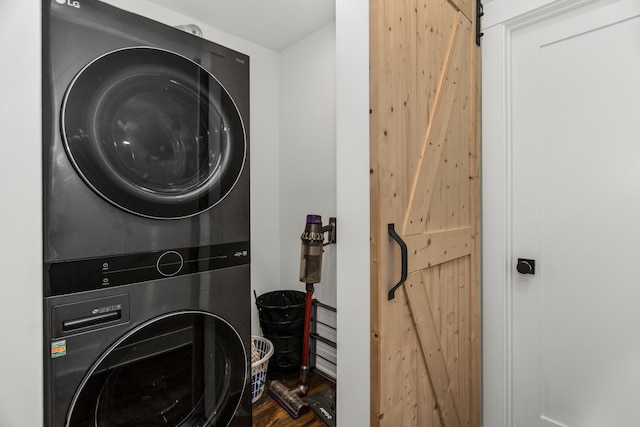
(186, 369)
(153, 132)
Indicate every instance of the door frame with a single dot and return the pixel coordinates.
(352, 209)
(502, 18)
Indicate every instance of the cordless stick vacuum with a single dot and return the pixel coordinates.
(310, 273)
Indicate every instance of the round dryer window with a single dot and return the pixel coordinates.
(186, 369)
(153, 132)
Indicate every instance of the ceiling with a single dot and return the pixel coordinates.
(274, 24)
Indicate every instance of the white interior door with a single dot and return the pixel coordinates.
(575, 204)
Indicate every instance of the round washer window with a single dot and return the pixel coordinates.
(153, 133)
(186, 369)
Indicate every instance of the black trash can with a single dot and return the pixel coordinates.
(281, 315)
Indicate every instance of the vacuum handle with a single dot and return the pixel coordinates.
(403, 252)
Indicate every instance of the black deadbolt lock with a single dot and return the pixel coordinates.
(526, 266)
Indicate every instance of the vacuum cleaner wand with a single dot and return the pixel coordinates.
(304, 368)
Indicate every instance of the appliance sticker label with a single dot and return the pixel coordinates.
(58, 349)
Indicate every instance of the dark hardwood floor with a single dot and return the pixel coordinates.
(267, 412)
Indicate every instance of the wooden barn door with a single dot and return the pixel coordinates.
(425, 186)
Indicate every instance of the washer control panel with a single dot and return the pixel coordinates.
(170, 263)
(97, 273)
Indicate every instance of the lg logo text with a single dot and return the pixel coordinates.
(73, 3)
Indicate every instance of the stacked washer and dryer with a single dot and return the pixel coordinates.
(146, 223)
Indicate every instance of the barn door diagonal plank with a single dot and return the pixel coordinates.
(431, 349)
(463, 6)
(436, 134)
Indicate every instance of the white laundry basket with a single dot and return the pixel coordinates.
(261, 351)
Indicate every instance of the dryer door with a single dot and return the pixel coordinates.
(183, 369)
(153, 133)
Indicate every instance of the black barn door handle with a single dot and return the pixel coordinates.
(403, 251)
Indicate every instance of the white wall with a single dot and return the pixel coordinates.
(306, 105)
(308, 163)
(307, 151)
(21, 217)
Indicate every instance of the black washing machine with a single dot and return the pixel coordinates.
(146, 223)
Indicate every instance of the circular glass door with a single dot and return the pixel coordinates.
(184, 369)
(153, 133)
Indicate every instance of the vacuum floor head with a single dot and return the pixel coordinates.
(288, 399)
